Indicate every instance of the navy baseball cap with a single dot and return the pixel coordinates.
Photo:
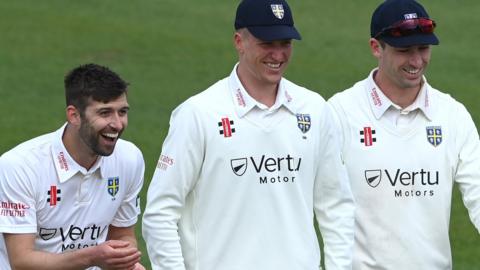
(392, 13)
(267, 20)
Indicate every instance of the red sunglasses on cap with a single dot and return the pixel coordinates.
(408, 27)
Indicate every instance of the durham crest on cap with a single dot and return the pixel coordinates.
(278, 11)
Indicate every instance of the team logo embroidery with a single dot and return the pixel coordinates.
(113, 185)
(278, 11)
(47, 234)
(240, 99)
(239, 166)
(226, 127)
(434, 135)
(54, 195)
(62, 161)
(367, 136)
(373, 177)
(304, 122)
(377, 101)
(410, 16)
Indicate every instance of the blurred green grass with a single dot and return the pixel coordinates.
(169, 50)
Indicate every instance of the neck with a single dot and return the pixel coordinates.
(402, 97)
(262, 91)
(77, 149)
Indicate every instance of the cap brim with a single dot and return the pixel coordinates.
(407, 41)
(274, 32)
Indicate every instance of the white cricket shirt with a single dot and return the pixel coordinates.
(237, 184)
(45, 192)
(402, 175)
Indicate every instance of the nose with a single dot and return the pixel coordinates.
(416, 58)
(279, 53)
(279, 50)
(116, 121)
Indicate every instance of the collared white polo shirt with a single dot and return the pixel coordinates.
(402, 175)
(45, 192)
(236, 190)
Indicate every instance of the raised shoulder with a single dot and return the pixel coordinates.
(214, 94)
(350, 100)
(354, 94)
(444, 103)
(302, 92)
(304, 99)
(216, 98)
(31, 153)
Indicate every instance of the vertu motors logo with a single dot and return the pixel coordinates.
(373, 177)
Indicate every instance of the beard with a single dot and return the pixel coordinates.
(92, 139)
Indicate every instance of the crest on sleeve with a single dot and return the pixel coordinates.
(304, 122)
(434, 135)
(113, 185)
(278, 11)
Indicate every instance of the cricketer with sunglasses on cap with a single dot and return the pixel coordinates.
(405, 144)
(247, 162)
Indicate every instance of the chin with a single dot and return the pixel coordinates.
(106, 151)
(274, 79)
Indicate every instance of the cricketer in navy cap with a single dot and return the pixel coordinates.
(396, 110)
(251, 118)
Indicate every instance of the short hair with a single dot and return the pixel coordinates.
(92, 81)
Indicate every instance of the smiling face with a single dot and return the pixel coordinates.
(400, 69)
(102, 124)
(261, 63)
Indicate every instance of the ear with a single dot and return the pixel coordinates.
(73, 115)
(375, 47)
(238, 42)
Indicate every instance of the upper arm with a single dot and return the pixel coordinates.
(338, 118)
(175, 176)
(178, 167)
(17, 192)
(127, 213)
(468, 168)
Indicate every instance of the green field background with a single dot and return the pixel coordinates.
(171, 49)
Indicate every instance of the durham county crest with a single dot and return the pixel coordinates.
(113, 183)
(434, 135)
(304, 122)
(278, 11)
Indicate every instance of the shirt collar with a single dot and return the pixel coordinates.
(65, 165)
(422, 101)
(244, 102)
(380, 103)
